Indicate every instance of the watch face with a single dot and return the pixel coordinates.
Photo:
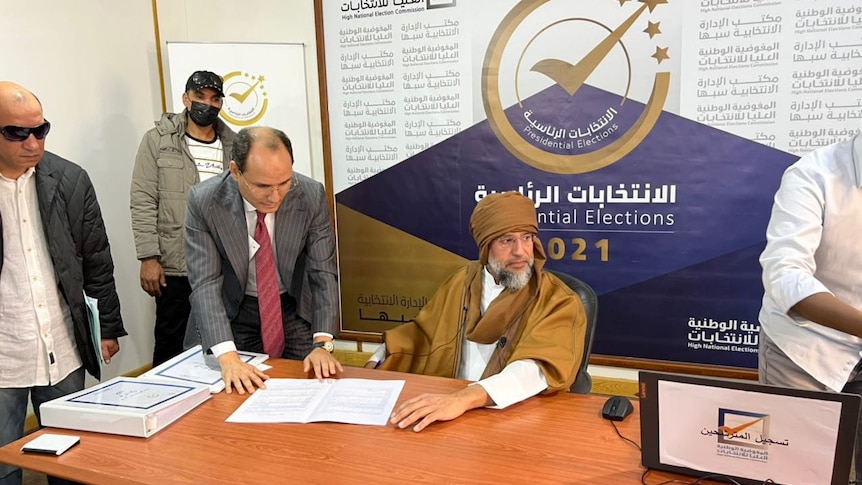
(327, 345)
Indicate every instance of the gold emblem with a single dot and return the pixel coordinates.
(570, 77)
(245, 101)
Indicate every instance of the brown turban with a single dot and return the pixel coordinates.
(498, 214)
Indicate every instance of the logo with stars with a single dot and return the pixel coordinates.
(583, 71)
(245, 98)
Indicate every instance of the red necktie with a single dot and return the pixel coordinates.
(268, 295)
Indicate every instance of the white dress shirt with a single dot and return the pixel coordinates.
(813, 247)
(517, 381)
(253, 246)
(36, 343)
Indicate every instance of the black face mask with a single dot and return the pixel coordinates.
(203, 114)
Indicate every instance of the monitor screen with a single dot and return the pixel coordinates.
(751, 432)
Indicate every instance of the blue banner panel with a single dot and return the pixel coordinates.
(671, 231)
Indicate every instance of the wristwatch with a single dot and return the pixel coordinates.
(326, 345)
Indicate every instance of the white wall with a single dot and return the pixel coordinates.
(286, 21)
(93, 64)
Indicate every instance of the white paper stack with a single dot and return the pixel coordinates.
(124, 405)
(356, 401)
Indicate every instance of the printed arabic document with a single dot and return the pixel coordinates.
(354, 401)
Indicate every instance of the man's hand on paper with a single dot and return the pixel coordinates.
(110, 346)
(323, 363)
(239, 375)
(428, 408)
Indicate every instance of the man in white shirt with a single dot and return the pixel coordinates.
(53, 249)
(811, 318)
(501, 321)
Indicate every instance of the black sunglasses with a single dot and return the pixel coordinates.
(17, 133)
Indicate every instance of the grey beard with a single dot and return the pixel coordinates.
(510, 280)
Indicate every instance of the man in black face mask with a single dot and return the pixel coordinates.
(182, 150)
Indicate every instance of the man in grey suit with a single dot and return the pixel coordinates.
(236, 221)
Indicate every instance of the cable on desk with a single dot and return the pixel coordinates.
(714, 477)
(623, 437)
(646, 472)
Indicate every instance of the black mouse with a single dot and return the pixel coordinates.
(616, 408)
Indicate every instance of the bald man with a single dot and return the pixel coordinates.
(501, 321)
(261, 259)
(53, 249)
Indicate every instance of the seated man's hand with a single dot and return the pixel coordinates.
(240, 375)
(428, 408)
(323, 363)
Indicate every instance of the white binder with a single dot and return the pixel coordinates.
(124, 405)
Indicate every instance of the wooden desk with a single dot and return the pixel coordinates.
(554, 439)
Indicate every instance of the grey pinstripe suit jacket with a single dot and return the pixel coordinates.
(217, 256)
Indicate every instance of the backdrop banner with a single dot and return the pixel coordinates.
(652, 136)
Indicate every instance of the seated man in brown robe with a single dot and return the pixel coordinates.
(500, 321)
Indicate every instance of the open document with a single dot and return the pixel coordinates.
(95, 325)
(192, 367)
(355, 401)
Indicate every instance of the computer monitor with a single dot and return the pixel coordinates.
(747, 431)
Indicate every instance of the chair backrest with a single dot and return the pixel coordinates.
(583, 383)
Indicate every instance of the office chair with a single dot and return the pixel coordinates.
(583, 383)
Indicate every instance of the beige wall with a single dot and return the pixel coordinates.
(93, 64)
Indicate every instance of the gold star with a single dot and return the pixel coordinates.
(652, 29)
(622, 2)
(652, 4)
(661, 54)
(262, 79)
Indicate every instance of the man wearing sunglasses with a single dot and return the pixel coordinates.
(182, 150)
(501, 321)
(53, 249)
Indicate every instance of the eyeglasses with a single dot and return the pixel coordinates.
(265, 190)
(508, 241)
(18, 133)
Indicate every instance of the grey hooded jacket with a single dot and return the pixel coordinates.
(164, 171)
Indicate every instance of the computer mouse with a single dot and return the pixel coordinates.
(616, 408)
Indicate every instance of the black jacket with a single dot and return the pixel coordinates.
(80, 253)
